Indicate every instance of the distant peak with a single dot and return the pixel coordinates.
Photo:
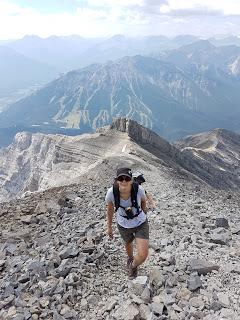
(199, 45)
(206, 139)
(118, 37)
(224, 132)
(31, 37)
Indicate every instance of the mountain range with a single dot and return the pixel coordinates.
(183, 91)
(54, 55)
(73, 52)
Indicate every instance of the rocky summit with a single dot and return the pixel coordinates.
(56, 261)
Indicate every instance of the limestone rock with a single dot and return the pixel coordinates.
(202, 266)
(220, 236)
(69, 252)
(157, 308)
(222, 223)
(194, 282)
(156, 277)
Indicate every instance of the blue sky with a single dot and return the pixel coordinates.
(98, 18)
(50, 6)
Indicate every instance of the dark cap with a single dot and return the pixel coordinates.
(124, 172)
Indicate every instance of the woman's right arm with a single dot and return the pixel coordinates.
(151, 201)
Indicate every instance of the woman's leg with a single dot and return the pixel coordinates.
(142, 244)
(142, 251)
(129, 248)
(128, 237)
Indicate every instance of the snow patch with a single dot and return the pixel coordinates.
(124, 148)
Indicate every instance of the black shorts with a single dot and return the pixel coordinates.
(129, 234)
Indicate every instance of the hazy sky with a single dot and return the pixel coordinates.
(90, 18)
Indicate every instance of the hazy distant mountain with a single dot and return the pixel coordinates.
(215, 70)
(119, 46)
(60, 52)
(72, 52)
(155, 93)
(184, 39)
(18, 71)
(225, 41)
(201, 53)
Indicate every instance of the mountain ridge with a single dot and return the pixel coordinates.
(35, 162)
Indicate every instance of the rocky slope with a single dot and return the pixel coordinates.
(57, 263)
(35, 162)
(214, 153)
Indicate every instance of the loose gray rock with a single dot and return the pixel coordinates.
(129, 312)
(2, 264)
(197, 302)
(110, 304)
(144, 312)
(202, 266)
(157, 308)
(194, 282)
(69, 252)
(183, 294)
(222, 223)
(156, 277)
(139, 284)
(223, 299)
(220, 236)
(146, 295)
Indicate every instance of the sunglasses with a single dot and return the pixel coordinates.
(122, 178)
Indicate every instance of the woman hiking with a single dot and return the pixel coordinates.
(129, 200)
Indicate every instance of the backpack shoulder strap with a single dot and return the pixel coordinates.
(116, 195)
(134, 192)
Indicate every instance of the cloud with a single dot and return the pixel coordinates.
(198, 11)
(149, 7)
(15, 22)
(92, 18)
(205, 7)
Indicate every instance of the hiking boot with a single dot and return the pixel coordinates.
(129, 262)
(133, 272)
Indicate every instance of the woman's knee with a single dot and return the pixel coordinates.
(143, 254)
